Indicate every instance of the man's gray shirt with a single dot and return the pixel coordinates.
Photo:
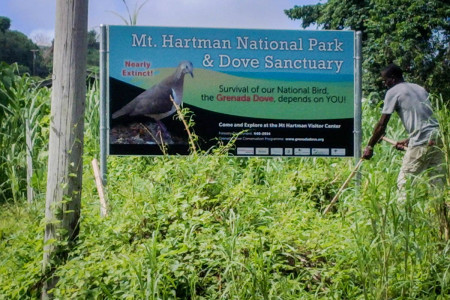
(411, 103)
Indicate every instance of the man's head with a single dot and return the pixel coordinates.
(392, 75)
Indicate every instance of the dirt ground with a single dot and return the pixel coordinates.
(143, 133)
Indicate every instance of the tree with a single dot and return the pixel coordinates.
(16, 47)
(412, 33)
(93, 47)
(65, 164)
(5, 23)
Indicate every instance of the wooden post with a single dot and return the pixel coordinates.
(99, 184)
(29, 142)
(65, 165)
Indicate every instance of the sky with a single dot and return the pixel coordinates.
(36, 18)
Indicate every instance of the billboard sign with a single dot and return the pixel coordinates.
(273, 92)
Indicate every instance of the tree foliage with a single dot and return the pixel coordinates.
(16, 47)
(412, 33)
(5, 23)
(93, 58)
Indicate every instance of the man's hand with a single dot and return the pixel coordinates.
(378, 132)
(402, 145)
(368, 153)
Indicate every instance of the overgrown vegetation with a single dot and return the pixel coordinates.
(24, 114)
(219, 227)
(412, 33)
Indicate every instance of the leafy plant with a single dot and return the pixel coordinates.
(25, 115)
(131, 19)
(209, 226)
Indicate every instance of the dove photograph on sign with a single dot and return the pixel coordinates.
(156, 103)
(269, 92)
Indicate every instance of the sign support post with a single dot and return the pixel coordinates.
(358, 96)
(358, 103)
(104, 91)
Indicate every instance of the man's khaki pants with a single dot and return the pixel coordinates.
(430, 160)
(422, 159)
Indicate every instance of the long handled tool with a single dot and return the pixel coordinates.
(386, 139)
(343, 186)
(392, 142)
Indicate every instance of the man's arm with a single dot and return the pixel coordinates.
(378, 132)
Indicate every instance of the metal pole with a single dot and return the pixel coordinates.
(34, 61)
(358, 96)
(103, 102)
(358, 101)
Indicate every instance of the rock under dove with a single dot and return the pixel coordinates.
(155, 102)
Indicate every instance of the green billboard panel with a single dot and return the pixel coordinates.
(273, 92)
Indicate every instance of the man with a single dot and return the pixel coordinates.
(411, 103)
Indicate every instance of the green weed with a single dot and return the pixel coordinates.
(209, 226)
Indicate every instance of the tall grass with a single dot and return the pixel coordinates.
(24, 119)
(218, 227)
(92, 121)
(443, 116)
(26, 104)
(394, 239)
(131, 18)
(443, 197)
